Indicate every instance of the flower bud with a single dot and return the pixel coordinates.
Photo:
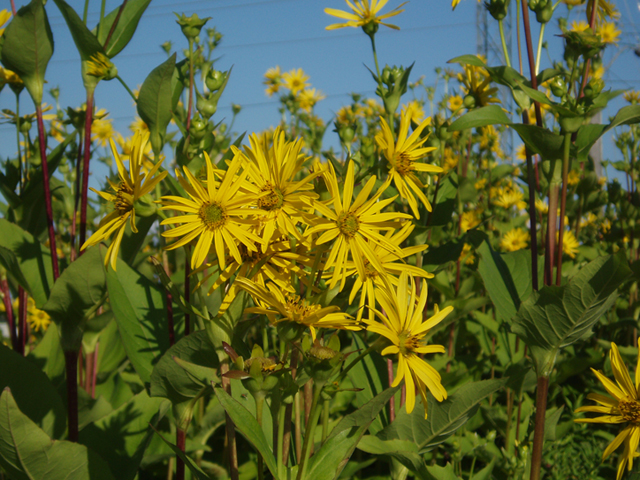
(198, 128)
(192, 25)
(558, 86)
(215, 80)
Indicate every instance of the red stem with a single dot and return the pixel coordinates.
(538, 434)
(42, 140)
(71, 367)
(77, 200)
(181, 437)
(13, 8)
(527, 36)
(8, 308)
(85, 169)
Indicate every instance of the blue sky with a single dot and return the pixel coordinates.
(259, 34)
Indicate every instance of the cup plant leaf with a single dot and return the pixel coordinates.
(123, 31)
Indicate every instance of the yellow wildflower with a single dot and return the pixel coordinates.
(454, 103)
(364, 13)
(295, 80)
(608, 32)
(515, 239)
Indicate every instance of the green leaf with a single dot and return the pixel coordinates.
(28, 47)
(34, 261)
(551, 418)
(485, 473)
(328, 462)
(445, 203)
(140, 311)
(184, 373)
(555, 317)
(589, 134)
(540, 140)
(33, 391)
(196, 471)
(248, 426)
(481, 117)
(49, 356)
(442, 473)
(176, 293)
(507, 278)
(435, 258)
(86, 42)
(444, 417)
(125, 28)
(27, 453)
(122, 436)
(402, 450)
(371, 375)
(468, 60)
(75, 297)
(154, 101)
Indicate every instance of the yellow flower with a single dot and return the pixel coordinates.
(138, 125)
(589, 221)
(393, 265)
(606, 226)
(467, 255)
(273, 80)
(295, 80)
(308, 97)
(608, 32)
(364, 13)
(469, 219)
(475, 82)
(10, 77)
(579, 26)
(414, 110)
(623, 409)
(510, 197)
(403, 157)
(569, 244)
(132, 187)
(521, 152)
(102, 130)
(541, 207)
(515, 239)
(38, 319)
(632, 96)
(450, 160)
(215, 214)
(354, 225)
(454, 103)
(273, 171)
(372, 108)
(57, 130)
(100, 66)
(573, 178)
(454, 3)
(274, 303)
(5, 15)
(480, 184)
(402, 324)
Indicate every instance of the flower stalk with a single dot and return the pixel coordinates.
(85, 168)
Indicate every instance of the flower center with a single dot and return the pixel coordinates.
(407, 343)
(212, 215)
(348, 224)
(273, 200)
(630, 410)
(403, 163)
(124, 198)
(297, 309)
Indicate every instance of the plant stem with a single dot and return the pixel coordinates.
(538, 53)
(552, 224)
(532, 211)
(309, 432)
(286, 434)
(85, 13)
(22, 319)
(101, 24)
(282, 415)
(190, 105)
(527, 36)
(230, 428)
(563, 204)
(18, 141)
(71, 368)
(126, 87)
(13, 8)
(181, 437)
(42, 140)
(505, 50)
(76, 203)
(325, 419)
(538, 434)
(85, 169)
(259, 407)
(8, 308)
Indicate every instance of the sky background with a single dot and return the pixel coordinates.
(260, 34)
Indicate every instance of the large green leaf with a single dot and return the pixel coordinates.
(140, 310)
(49, 356)
(555, 317)
(507, 278)
(122, 436)
(28, 453)
(444, 417)
(404, 451)
(34, 261)
(124, 29)
(249, 427)
(75, 297)
(328, 462)
(540, 140)
(589, 134)
(184, 374)
(86, 42)
(445, 202)
(33, 391)
(28, 47)
(481, 117)
(154, 101)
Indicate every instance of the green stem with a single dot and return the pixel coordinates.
(101, 24)
(538, 53)
(85, 14)
(505, 50)
(259, 406)
(126, 87)
(280, 451)
(309, 433)
(325, 420)
(18, 139)
(563, 203)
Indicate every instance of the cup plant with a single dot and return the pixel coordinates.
(412, 303)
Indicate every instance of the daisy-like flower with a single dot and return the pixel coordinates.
(38, 319)
(510, 197)
(475, 82)
(273, 80)
(281, 306)
(133, 185)
(272, 171)
(102, 129)
(570, 244)
(470, 219)
(393, 265)
(454, 103)
(101, 67)
(354, 226)
(402, 324)
(308, 98)
(623, 409)
(364, 13)
(515, 239)
(415, 111)
(403, 156)
(295, 80)
(632, 96)
(579, 26)
(215, 214)
(608, 32)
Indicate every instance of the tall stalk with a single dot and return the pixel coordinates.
(85, 168)
(563, 204)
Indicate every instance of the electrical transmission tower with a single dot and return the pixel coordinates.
(489, 45)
